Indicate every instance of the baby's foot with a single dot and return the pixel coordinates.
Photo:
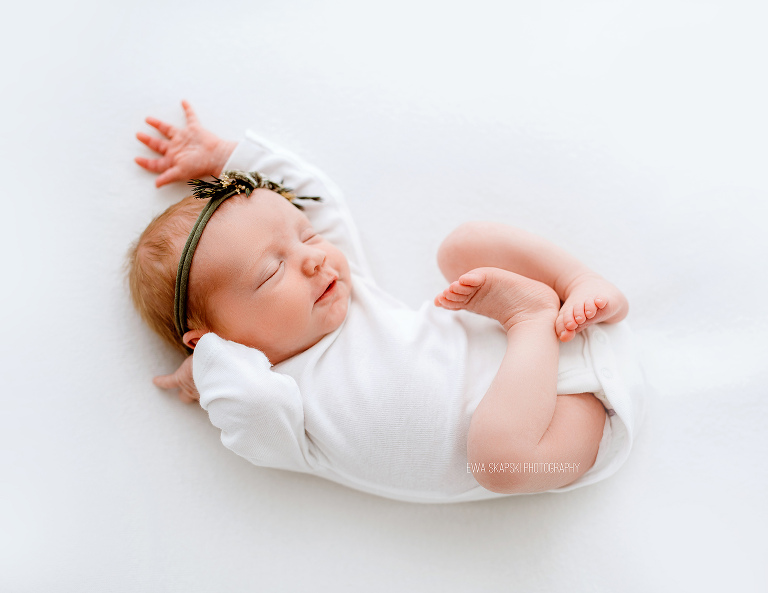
(501, 295)
(591, 299)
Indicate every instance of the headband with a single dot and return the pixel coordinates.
(230, 184)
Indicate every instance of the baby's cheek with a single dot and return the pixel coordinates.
(297, 320)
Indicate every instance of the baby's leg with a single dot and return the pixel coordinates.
(586, 297)
(521, 424)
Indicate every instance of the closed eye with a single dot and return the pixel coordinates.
(273, 274)
(306, 232)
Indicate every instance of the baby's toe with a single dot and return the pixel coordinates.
(454, 297)
(560, 329)
(563, 333)
(441, 301)
(601, 302)
(590, 309)
(578, 313)
(473, 279)
(459, 288)
(568, 321)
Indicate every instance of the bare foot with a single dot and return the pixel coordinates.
(501, 295)
(591, 299)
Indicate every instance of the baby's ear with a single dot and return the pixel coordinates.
(192, 336)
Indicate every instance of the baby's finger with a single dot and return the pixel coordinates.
(154, 165)
(165, 129)
(156, 144)
(171, 175)
(191, 115)
(166, 381)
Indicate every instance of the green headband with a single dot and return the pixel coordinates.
(230, 184)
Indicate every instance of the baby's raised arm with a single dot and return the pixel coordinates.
(194, 152)
(186, 153)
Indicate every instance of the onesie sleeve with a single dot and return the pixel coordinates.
(330, 218)
(259, 411)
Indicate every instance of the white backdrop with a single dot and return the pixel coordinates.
(631, 133)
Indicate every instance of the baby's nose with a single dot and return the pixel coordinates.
(314, 261)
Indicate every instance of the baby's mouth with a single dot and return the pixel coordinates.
(328, 290)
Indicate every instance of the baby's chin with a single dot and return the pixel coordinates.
(339, 309)
(335, 315)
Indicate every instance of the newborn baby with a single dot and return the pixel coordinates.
(505, 384)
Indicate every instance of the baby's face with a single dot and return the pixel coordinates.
(272, 283)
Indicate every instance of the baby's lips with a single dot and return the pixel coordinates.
(325, 287)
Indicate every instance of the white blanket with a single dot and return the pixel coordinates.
(632, 134)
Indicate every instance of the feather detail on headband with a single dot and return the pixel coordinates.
(236, 182)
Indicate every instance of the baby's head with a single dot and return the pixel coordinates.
(260, 275)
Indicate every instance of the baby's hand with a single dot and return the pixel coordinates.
(181, 380)
(187, 153)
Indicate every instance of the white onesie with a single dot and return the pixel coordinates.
(383, 403)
